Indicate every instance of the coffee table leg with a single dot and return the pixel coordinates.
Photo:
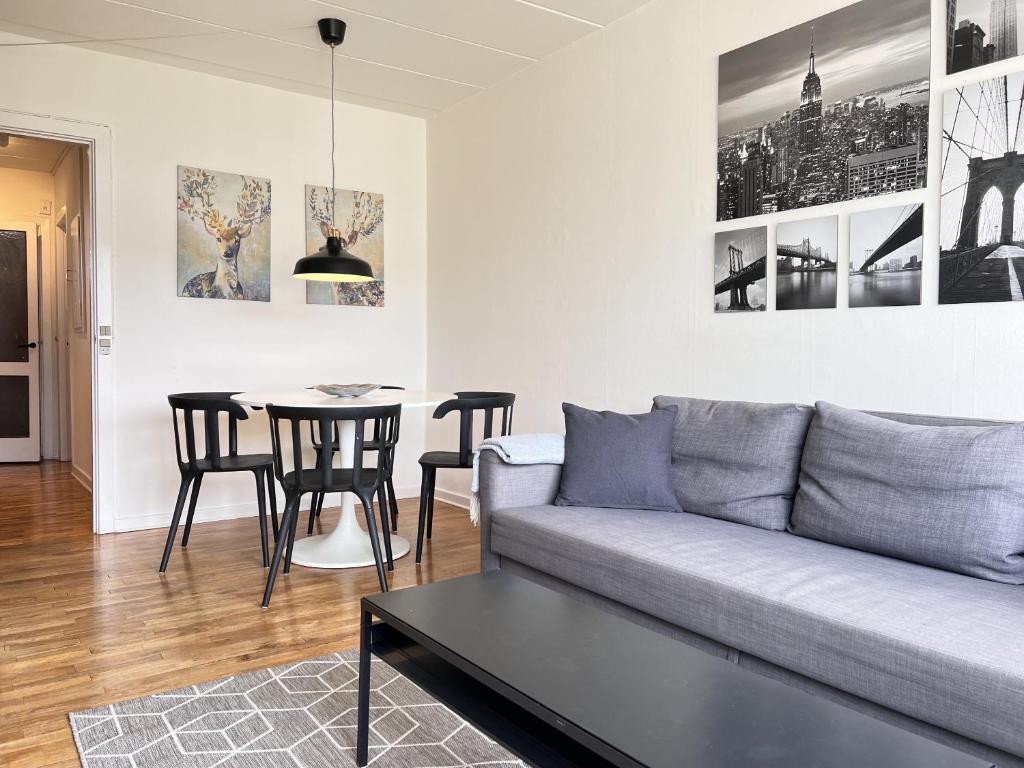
(363, 723)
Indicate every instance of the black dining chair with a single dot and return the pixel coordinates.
(316, 506)
(365, 482)
(194, 467)
(466, 404)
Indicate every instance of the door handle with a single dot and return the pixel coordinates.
(30, 345)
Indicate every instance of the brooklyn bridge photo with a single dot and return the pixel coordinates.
(740, 270)
(805, 263)
(982, 231)
(830, 110)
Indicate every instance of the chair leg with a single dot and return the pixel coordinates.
(179, 505)
(191, 510)
(261, 493)
(320, 504)
(430, 502)
(371, 528)
(382, 508)
(312, 513)
(290, 532)
(394, 505)
(272, 485)
(291, 508)
(424, 485)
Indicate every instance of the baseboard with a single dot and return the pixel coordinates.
(84, 478)
(452, 497)
(225, 512)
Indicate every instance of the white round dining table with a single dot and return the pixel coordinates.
(348, 545)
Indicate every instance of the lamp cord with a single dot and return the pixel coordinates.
(334, 192)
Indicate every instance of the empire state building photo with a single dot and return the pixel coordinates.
(854, 122)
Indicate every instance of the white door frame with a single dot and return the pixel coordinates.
(99, 140)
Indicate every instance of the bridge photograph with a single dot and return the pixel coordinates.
(886, 246)
(982, 227)
(806, 253)
(741, 283)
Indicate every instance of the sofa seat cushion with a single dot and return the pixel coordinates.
(941, 647)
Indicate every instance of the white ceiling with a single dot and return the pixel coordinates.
(411, 56)
(30, 154)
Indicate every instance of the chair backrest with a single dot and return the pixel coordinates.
(286, 422)
(467, 403)
(211, 405)
(314, 435)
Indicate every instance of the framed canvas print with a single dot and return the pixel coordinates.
(886, 246)
(359, 216)
(740, 275)
(982, 217)
(981, 31)
(833, 109)
(805, 263)
(223, 235)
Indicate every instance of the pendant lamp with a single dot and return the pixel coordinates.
(332, 263)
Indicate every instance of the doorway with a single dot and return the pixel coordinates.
(46, 285)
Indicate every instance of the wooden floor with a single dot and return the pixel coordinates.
(86, 620)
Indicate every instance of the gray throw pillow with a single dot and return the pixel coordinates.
(737, 461)
(951, 497)
(618, 461)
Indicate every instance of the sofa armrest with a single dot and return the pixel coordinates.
(511, 485)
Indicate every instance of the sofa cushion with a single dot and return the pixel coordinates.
(615, 460)
(934, 645)
(737, 461)
(947, 496)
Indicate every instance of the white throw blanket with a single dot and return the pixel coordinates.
(547, 448)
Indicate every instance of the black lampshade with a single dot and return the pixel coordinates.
(333, 263)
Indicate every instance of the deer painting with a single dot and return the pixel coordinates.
(198, 200)
(359, 217)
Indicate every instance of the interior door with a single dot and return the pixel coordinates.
(19, 340)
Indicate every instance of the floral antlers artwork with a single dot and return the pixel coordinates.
(360, 218)
(207, 238)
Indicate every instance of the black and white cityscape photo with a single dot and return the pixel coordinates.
(805, 263)
(830, 110)
(885, 256)
(981, 235)
(981, 31)
(741, 283)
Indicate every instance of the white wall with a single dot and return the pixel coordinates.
(161, 117)
(571, 220)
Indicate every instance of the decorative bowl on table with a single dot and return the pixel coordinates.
(346, 390)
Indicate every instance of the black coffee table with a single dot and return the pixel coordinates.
(561, 683)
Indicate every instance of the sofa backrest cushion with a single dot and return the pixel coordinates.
(951, 497)
(737, 461)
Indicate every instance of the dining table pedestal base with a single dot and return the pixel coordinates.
(347, 546)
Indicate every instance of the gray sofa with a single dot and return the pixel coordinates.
(932, 651)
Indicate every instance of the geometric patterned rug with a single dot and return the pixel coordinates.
(299, 715)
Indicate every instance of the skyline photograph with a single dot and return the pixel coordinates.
(832, 109)
(979, 32)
